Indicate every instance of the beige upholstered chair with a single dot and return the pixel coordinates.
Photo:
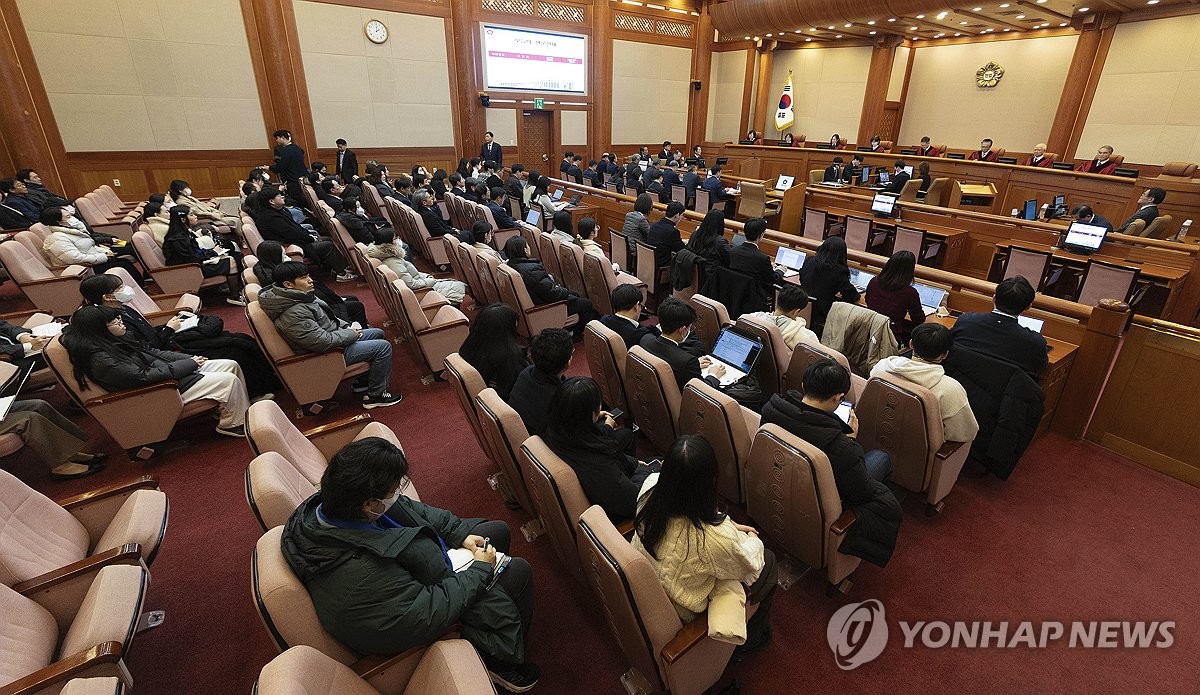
(309, 377)
(618, 244)
(160, 308)
(816, 176)
(466, 268)
(1159, 228)
(532, 318)
(606, 355)
(434, 337)
(136, 418)
(815, 224)
(108, 685)
(703, 203)
(557, 497)
(905, 420)
(753, 201)
(172, 279)
(548, 253)
(1103, 280)
(52, 635)
(467, 383)
(807, 352)
(791, 493)
(908, 194)
(773, 361)
(287, 611)
(1177, 170)
(253, 238)
(274, 489)
(487, 266)
(1031, 264)
(670, 656)
(65, 543)
(728, 427)
(54, 291)
(504, 430)
(570, 264)
(711, 317)
(269, 429)
(653, 397)
(122, 227)
(447, 667)
(601, 280)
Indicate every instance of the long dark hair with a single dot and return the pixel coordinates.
(570, 422)
(462, 167)
(832, 251)
(707, 237)
(88, 334)
(687, 487)
(898, 271)
(491, 346)
(269, 254)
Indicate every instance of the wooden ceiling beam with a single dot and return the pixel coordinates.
(1042, 9)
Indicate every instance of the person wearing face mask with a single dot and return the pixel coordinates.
(100, 352)
(387, 573)
(181, 247)
(181, 193)
(208, 338)
(67, 245)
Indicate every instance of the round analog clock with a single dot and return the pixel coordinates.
(376, 31)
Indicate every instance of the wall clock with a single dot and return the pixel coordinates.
(377, 31)
(989, 75)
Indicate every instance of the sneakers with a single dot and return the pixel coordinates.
(360, 385)
(264, 397)
(344, 276)
(383, 400)
(236, 301)
(239, 431)
(515, 678)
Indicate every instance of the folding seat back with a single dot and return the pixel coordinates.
(373, 202)
(711, 317)
(54, 291)
(858, 233)
(35, 244)
(653, 396)
(467, 383)
(1106, 281)
(100, 222)
(703, 203)
(805, 353)
(466, 266)
(532, 318)
(309, 377)
(548, 253)
(728, 427)
(274, 489)
(505, 432)
(436, 337)
(909, 239)
(488, 268)
(452, 208)
(1032, 264)
(557, 497)
(618, 249)
(446, 667)
(606, 355)
(570, 264)
(773, 361)
(40, 536)
(641, 616)
(268, 430)
(814, 224)
(791, 494)
(596, 275)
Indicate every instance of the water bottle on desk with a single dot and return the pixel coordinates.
(1183, 230)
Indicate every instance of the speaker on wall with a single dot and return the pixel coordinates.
(484, 100)
(697, 85)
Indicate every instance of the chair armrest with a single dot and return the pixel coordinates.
(547, 307)
(127, 554)
(948, 449)
(443, 327)
(331, 437)
(689, 636)
(373, 664)
(95, 510)
(132, 393)
(106, 655)
(53, 280)
(146, 482)
(159, 318)
(843, 523)
(295, 359)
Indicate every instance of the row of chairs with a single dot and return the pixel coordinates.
(861, 234)
(1100, 279)
(106, 213)
(73, 581)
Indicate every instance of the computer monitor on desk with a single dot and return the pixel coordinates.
(1029, 211)
(955, 155)
(824, 146)
(792, 259)
(1084, 238)
(1063, 166)
(884, 204)
(864, 176)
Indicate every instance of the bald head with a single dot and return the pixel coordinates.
(1039, 149)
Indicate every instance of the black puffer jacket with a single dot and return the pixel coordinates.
(543, 288)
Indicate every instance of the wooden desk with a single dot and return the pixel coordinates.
(953, 241)
(578, 212)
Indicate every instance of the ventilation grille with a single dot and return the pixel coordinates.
(679, 30)
(646, 25)
(630, 22)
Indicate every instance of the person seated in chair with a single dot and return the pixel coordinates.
(550, 352)
(998, 334)
(675, 319)
(53, 438)
(1086, 215)
(309, 326)
(625, 321)
(494, 199)
(276, 224)
(482, 235)
(745, 258)
(359, 225)
(431, 214)
(899, 178)
(789, 302)
(664, 235)
(859, 475)
(563, 227)
(330, 191)
(346, 307)
(1102, 164)
(1147, 211)
(1038, 158)
(387, 573)
(836, 172)
(542, 287)
(493, 348)
(926, 149)
(717, 197)
(985, 153)
(582, 434)
(931, 343)
(390, 254)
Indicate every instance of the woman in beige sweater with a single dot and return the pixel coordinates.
(698, 552)
(181, 193)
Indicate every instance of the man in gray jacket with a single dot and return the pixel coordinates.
(309, 325)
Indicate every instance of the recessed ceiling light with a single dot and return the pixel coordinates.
(830, 26)
(962, 22)
(756, 38)
(768, 36)
(797, 31)
(920, 16)
(847, 25)
(1063, 24)
(1004, 5)
(872, 32)
(976, 9)
(1151, 2)
(1020, 16)
(807, 40)
(838, 36)
(916, 38)
(872, 22)
(942, 15)
(1008, 29)
(912, 28)
(813, 29)
(891, 19)
(747, 38)
(1084, 9)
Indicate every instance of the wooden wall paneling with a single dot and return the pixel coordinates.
(600, 89)
(466, 72)
(879, 74)
(135, 183)
(31, 133)
(747, 92)
(432, 8)
(763, 102)
(702, 72)
(258, 60)
(282, 73)
(1083, 75)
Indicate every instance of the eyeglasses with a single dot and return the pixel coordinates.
(117, 322)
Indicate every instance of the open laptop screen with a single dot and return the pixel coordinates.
(737, 350)
(789, 258)
(784, 182)
(883, 204)
(931, 297)
(1086, 237)
(558, 194)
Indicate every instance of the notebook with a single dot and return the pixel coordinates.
(737, 352)
(931, 297)
(12, 387)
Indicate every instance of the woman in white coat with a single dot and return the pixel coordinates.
(67, 245)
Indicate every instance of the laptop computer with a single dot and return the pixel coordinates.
(1084, 238)
(558, 194)
(1031, 323)
(12, 386)
(738, 352)
(784, 182)
(533, 217)
(860, 278)
(792, 259)
(931, 297)
(575, 200)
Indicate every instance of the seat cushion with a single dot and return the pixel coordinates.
(142, 519)
(110, 610)
(303, 670)
(36, 535)
(28, 634)
(377, 429)
(94, 686)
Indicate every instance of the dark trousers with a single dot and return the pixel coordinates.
(878, 463)
(326, 254)
(517, 578)
(762, 592)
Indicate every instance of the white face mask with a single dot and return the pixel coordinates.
(70, 209)
(187, 192)
(387, 504)
(124, 294)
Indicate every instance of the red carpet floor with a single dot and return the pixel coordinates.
(1077, 533)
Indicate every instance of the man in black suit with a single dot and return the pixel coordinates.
(489, 175)
(691, 181)
(697, 157)
(855, 168)
(491, 151)
(404, 190)
(1085, 214)
(495, 203)
(665, 153)
(1147, 208)
(550, 352)
(592, 176)
(745, 258)
(331, 190)
(998, 334)
(899, 178)
(565, 164)
(277, 224)
(670, 179)
(575, 173)
(664, 236)
(347, 162)
(651, 170)
(514, 186)
(675, 319)
(836, 172)
(716, 192)
(289, 164)
(627, 306)
(633, 175)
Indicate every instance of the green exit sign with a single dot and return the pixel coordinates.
(539, 103)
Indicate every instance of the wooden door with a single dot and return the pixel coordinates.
(889, 123)
(536, 143)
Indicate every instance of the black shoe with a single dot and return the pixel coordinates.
(360, 385)
(92, 458)
(515, 678)
(742, 651)
(239, 431)
(383, 400)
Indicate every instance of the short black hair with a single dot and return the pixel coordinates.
(791, 297)
(586, 227)
(318, 166)
(489, 165)
(282, 134)
(987, 140)
(754, 228)
(383, 235)
(666, 143)
(900, 164)
(404, 181)
(625, 297)
(480, 230)
(931, 340)
(1082, 211)
(674, 314)
(94, 288)
(7, 185)
(328, 183)
(838, 160)
(24, 175)
(454, 178)
(288, 271)
(490, 133)
(516, 168)
(925, 139)
(516, 247)
(825, 379)
(551, 350)
(151, 209)
(339, 141)
(368, 469)
(856, 157)
(562, 222)
(51, 216)
(1157, 194)
(1014, 295)
(674, 208)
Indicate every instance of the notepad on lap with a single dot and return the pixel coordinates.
(462, 558)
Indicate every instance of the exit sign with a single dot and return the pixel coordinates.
(539, 103)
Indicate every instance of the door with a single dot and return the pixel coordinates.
(536, 143)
